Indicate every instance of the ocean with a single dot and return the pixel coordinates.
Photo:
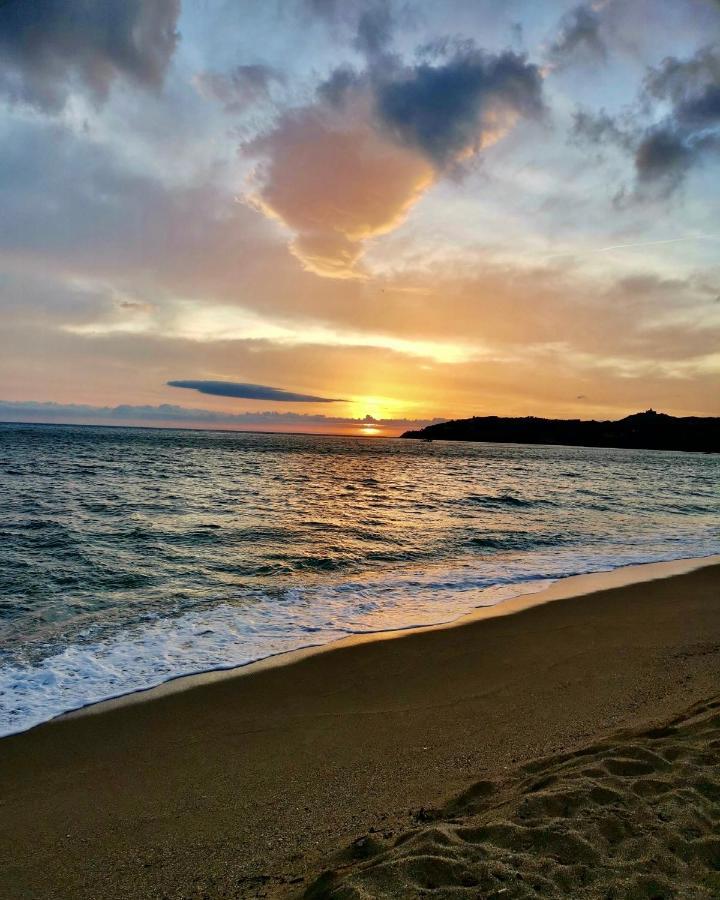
(132, 556)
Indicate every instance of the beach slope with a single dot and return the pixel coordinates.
(399, 766)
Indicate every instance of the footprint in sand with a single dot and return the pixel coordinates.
(636, 817)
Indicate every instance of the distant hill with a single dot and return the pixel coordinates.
(642, 431)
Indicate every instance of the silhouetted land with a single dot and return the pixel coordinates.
(642, 431)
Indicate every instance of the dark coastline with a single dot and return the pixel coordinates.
(642, 431)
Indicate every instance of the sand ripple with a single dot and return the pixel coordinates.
(634, 816)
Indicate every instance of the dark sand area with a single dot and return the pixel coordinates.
(569, 750)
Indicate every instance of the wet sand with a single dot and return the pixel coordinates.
(481, 758)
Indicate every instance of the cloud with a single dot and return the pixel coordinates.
(77, 207)
(249, 391)
(172, 415)
(336, 182)
(673, 126)
(335, 89)
(691, 130)
(328, 10)
(349, 167)
(454, 109)
(241, 87)
(374, 31)
(98, 236)
(48, 47)
(681, 80)
(122, 247)
(578, 37)
(663, 156)
(600, 128)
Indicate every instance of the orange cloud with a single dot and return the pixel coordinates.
(336, 183)
(349, 168)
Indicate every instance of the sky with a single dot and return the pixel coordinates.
(358, 217)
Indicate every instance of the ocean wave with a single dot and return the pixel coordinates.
(512, 500)
(229, 635)
(131, 557)
(517, 540)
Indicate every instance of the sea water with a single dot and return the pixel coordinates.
(132, 556)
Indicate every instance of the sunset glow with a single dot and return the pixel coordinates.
(420, 211)
(359, 449)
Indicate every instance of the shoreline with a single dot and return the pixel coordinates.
(70, 695)
(252, 785)
(556, 589)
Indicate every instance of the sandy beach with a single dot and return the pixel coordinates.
(569, 749)
(359, 450)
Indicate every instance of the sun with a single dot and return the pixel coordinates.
(376, 415)
(374, 408)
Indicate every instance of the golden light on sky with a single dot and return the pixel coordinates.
(420, 211)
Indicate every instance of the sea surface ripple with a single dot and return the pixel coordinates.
(131, 556)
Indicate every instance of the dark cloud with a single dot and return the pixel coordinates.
(241, 87)
(453, 108)
(351, 165)
(663, 155)
(692, 86)
(328, 10)
(691, 130)
(517, 33)
(599, 129)
(578, 37)
(701, 110)
(368, 26)
(667, 147)
(371, 21)
(48, 46)
(249, 391)
(340, 82)
(679, 80)
(375, 31)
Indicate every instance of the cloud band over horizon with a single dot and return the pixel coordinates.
(29, 411)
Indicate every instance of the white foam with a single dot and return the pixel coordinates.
(229, 635)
